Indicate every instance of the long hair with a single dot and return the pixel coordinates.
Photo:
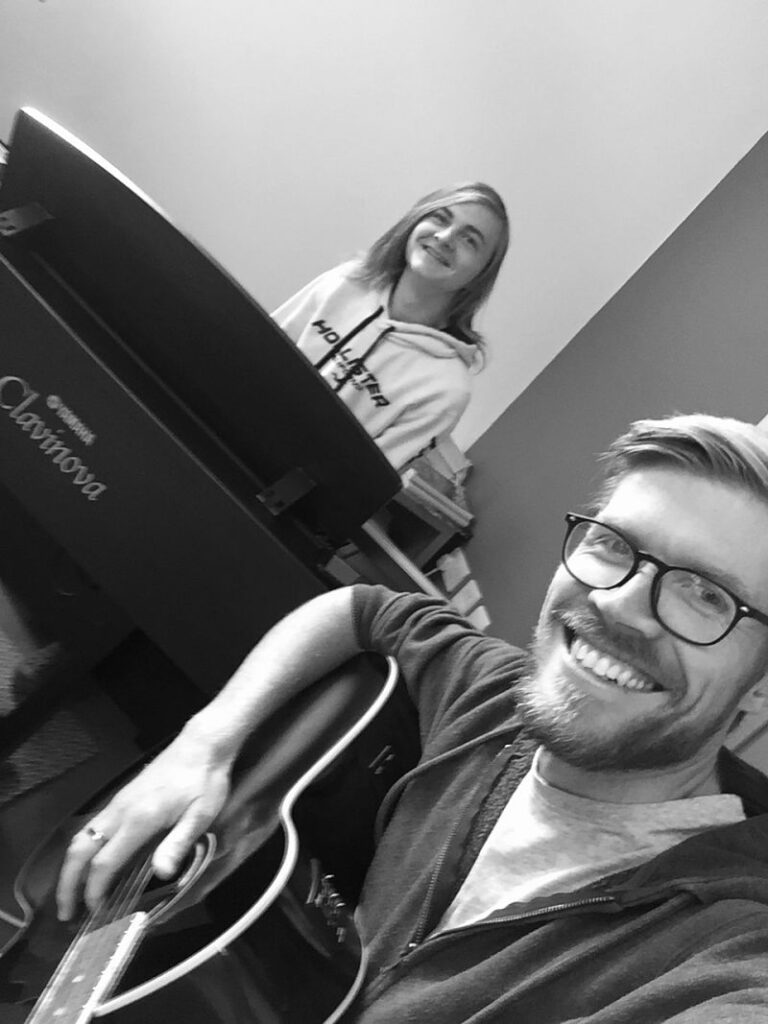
(384, 262)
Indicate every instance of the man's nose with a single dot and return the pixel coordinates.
(629, 605)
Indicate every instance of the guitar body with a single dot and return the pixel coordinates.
(256, 930)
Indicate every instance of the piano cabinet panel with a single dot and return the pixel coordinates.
(86, 450)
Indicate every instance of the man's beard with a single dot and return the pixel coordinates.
(567, 721)
(564, 724)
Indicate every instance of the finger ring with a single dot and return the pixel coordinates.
(95, 835)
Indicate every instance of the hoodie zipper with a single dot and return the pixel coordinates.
(418, 943)
(418, 940)
(493, 772)
(427, 905)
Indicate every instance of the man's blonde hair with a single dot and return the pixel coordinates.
(715, 447)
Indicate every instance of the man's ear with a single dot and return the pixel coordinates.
(755, 700)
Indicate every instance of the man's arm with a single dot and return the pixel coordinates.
(180, 793)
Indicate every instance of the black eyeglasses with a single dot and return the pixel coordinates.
(688, 605)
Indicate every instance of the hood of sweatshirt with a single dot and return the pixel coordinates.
(347, 313)
(437, 343)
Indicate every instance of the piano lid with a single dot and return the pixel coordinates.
(183, 317)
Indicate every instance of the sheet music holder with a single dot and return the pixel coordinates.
(155, 421)
(173, 308)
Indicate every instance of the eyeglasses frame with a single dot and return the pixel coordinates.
(742, 609)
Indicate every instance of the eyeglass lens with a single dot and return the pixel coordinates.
(687, 604)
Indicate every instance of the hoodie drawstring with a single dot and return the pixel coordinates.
(355, 364)
(348, 337)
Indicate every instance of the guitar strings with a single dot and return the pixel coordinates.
(119, 904)
(126, 897)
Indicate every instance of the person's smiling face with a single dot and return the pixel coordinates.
(611, 687)
(451, 245)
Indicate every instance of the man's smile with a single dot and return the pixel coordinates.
(608, 668)
(603, 666)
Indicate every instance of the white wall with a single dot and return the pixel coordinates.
(285, 134)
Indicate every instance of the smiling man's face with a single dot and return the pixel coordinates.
(611, 688)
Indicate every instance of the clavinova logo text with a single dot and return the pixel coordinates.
(18, 400)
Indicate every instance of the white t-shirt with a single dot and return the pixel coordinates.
(548, 841)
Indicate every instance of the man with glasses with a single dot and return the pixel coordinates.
(576, 844)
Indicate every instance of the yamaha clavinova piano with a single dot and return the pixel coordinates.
(175, 469)
(155, 423)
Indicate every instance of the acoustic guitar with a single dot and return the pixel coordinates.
(255, 929)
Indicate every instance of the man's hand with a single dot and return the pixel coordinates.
(177, 795)
(182, 791)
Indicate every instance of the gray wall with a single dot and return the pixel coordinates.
(688, 332)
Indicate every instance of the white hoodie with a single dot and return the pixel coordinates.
(406, 383)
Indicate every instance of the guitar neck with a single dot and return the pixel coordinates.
(88, 972)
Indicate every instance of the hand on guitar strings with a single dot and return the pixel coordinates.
(175, 799)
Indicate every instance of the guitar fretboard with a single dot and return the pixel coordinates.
(88, 972)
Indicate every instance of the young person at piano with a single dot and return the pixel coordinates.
(392, 332)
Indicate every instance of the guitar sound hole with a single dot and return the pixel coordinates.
(257, 976)
(189, 929)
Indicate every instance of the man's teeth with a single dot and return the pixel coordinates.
(607, 668)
